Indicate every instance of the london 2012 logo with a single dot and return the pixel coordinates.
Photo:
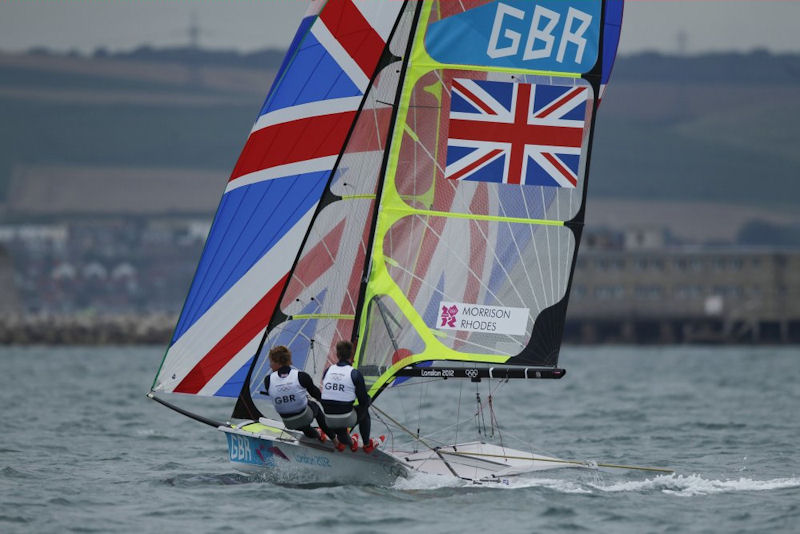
(449, 314)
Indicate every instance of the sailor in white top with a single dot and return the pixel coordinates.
(341, 386)
(287, 387)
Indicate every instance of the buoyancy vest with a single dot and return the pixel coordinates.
(338, 384)
(288, 396)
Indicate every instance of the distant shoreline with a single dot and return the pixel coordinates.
(157, 329)
(152, 329)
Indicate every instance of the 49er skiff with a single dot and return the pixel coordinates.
(415, 182)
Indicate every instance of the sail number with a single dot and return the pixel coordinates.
(541, 33)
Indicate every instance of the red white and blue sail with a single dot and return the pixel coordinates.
(273, 194)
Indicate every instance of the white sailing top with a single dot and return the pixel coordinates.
(338, 384)
(288, 396)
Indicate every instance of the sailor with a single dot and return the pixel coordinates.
(287, 387)
(341, 386)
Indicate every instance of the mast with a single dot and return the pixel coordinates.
(381, 177)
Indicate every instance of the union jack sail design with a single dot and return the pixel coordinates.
(273, 194)
(515, 133)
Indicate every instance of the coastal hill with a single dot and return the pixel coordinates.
(698, 133)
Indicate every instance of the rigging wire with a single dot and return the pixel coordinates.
(458, 411)
(459, 421)
(422, 391)
(480, 421)
(493, 417)
(442, 453)
(432, 436)
(386, 425)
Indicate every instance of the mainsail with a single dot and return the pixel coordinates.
(416, 181)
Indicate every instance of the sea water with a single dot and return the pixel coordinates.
(83, 450)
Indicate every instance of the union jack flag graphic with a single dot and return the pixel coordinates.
(515, 133)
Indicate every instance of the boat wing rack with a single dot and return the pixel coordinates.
(476, 373)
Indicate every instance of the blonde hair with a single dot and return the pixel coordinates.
(280, 355)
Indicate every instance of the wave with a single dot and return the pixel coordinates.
(694, 484)
(425, 481)
(673, 484)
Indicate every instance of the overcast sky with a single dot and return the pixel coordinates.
(706, 25)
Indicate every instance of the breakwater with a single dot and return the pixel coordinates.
(84, 329)
(156, 329)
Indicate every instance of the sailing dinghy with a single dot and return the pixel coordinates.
(415, 182)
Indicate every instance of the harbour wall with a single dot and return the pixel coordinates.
(156, 329)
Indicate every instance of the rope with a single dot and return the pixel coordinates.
(435, 450)
(495, 423)
(439, 452)
(480, 420)
(388, 429)
(403, 428)
(458, 410)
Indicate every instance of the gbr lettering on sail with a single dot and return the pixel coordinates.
(546, 35)
(541, 38)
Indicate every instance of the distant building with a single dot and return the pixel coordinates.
(645, 238)
(688, 294)
(9, 298)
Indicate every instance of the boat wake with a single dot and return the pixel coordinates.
(694, 484)
(418, 481)
(190, 480)
(425, 481)
(679, 485)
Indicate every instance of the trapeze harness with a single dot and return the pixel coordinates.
(338, 386)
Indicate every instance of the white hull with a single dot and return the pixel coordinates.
(482, 462)
(285, 456)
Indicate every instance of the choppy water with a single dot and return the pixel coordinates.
(83, 450)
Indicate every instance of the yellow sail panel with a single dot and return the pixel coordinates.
(483, 191)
